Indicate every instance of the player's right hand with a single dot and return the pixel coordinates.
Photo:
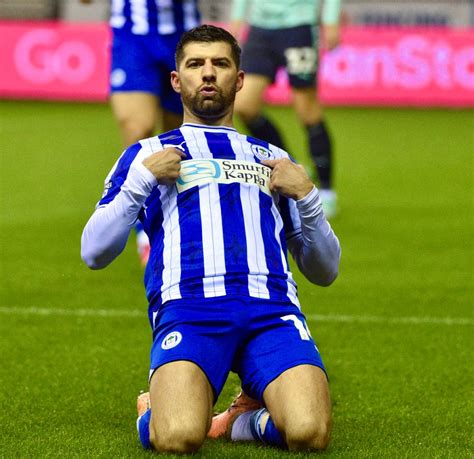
(165, 165)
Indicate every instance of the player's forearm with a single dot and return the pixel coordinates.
(106, 233)
(316, 249)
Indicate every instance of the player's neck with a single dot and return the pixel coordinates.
(225, 120)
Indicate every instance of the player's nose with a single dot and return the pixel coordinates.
(208, 71)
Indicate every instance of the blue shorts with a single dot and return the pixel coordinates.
(144, 63)
(295, 48)
(256, 338)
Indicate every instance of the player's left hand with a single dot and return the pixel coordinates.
(288, 179)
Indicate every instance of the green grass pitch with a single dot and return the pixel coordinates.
(395, 330)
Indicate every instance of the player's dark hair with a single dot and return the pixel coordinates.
(208, 34)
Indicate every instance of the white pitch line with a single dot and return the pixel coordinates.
(142, 313)
(74, 312)
(391, 320)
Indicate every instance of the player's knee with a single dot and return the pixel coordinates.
(308, 435)
(134, 130)
(249, 117)
(309, 114)
(177, 439)
(247, 112)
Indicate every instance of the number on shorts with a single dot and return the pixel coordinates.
(300, 326)
(301, 60)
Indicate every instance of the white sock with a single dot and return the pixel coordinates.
(142, 239)
(241, 428)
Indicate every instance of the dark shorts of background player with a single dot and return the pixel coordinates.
(143, 63)
(295, 48)
(256, 338)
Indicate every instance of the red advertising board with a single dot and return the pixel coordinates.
(373, 66)
(54, 60)
(395, 66)
(408, 66)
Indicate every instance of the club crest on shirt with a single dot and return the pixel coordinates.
(261, 152)
(171, 340)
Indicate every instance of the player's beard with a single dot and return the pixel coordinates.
(209, 107)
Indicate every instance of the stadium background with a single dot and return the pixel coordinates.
(395, 329)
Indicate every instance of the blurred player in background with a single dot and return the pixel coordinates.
(144, 38)
(285, 33)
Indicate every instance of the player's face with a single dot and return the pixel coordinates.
(207, 79)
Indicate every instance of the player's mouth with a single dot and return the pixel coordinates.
(208, 91)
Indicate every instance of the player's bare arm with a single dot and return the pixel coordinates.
(289, 179)
(165, 165)
(332, 36)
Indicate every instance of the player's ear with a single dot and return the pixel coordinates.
(175, 81)
(240, 80)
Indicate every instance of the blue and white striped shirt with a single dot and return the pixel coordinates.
(145, 17)
(218, 231)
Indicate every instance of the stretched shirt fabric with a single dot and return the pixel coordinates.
(217, 231)
(148, 17)
(283, 14)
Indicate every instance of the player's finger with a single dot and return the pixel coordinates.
(179, 152)
(270, 162)
(174, 149)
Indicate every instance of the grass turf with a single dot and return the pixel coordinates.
(400, 389)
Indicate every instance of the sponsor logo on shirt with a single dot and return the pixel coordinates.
(196, 172)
